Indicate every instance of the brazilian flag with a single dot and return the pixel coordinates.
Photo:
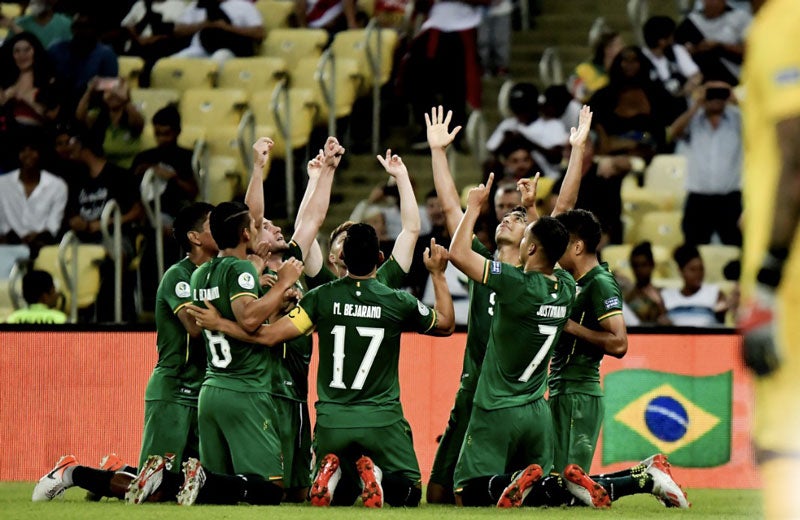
(684, 417)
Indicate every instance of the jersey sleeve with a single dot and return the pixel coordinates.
(419, 317)
(176, 290)
(305, 314)
(324, 276)
(244, 280)
(507, 281)
(606, 297)
(479, 248)
(391, 274)
(294, 251)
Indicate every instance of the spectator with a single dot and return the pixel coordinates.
(523, 102)
(506, 198)
(384, 198)
(644, 299)
(695, 304)
(40, 294)
(331, 15)
(712, 132)
(494, 38)
(79, 60)
(106, 109)
(516, 158)
(591, 76)
(714, 35)
(32, 200)
(220, 29)
(632, 112)
(41, 20)
(672, 65)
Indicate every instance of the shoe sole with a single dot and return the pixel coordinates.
(372, 495)
(515, 493)
(146, 482)
(58, 489)
(320, 494)
(586, 489)
(195, 478)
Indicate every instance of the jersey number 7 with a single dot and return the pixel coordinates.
(550, 331)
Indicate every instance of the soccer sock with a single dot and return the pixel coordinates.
(399, 491)
(637, 482)
(260, 491)
(549, 491)
(222, 489)
(484, 491)
(130, 469)
(98, 481)
(623, 473)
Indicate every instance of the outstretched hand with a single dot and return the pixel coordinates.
(393, 164)
(437, 123)
(261, 149)
(435, 257)
(479, 194)
(577, 136)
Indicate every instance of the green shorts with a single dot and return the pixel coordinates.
(444, 464)
(577, 419)
(505, 440)
(295, 441)
(239, 433)
(169, 427)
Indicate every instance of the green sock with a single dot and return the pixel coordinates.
(636, 481)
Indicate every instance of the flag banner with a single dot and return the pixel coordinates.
(687, 418)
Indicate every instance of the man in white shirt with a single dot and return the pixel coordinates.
(220, 29)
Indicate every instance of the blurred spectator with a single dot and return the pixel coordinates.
(220, 29)
(494, 38)
(644, 299)
(632, 112)
(695, 304)
(591, 76)
(375, 217)
(41, 20)
(28, 93)
(61, 162)
(32, 200)
(523, 102)
(712, 133)
(383, 198)
(506, 198)
(40, 294)
(516, 159)
(672, 64)
(106, 109)
(331, 15)
(79, 60)
(715, 36)
(151, 29)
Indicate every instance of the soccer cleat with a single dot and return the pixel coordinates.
(148, 480)
(194, 477)
(110, 462)
(582, 487)
(520, 486)
(327, 478)
(666, 490)
(372, 492)
(52, 485)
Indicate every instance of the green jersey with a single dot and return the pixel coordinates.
(181, 361)
(576, 363)
(232, 364)
(530, 312)
(389, 274)
(37, 313)
(359, 324)
(479, 321)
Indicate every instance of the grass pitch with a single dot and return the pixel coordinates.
(15, 503)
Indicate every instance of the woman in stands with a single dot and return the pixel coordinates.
(696, 304)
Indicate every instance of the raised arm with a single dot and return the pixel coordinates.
(254, 197)
(527, 189)
(435, 259)
(568, 195)
(403, 250)
(439, 138)
(461, 254)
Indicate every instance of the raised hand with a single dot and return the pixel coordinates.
(437, 123)
(435, 257)
(332, 152)
(261, 149)
(393, 164)
(289, 272)
(577, 136)
(478, 195)
(314, 167)
(527, 189)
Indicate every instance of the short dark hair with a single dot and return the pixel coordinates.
(361, 249)
(190, 218)
(657, 28)
(553, 237)
(684, 254)
(523, 98)
(583, 225)
(644, 249)
(431, 194)
(513, 143)
(91, 140)
(168, 116)
(36, 284)
(228, 220)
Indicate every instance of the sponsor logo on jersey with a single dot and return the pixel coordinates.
(495, 267)
(612, 303)
(423, 309)
(182, 290)
(246, 281)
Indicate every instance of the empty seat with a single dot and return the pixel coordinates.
(661, 228)
(666, 174)
(184, 73)
(306, 74)
(258, 73)
(293, 44)
(206, 107)
(353, 44)
(300, 111)
(150, 100)
(276, 13)
(130, 67)
(715, 258)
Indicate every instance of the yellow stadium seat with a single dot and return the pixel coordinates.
(10, 10)
(222, 178)
(636, 203)
(618, 258)
(252, 74)
(306, 75)
(715, 258)
(151, 100)
(88, 282)
(275, 13)
(301, 112)
(353, 44)
(206, 107)
(366, 6)
(666, 174)
(184, 73)
(661, 228)
(294, 44)
(130, 67)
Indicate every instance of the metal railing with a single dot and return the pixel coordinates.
(375, 60)
(113, 244)
(638, 12)
(477, 135)
(154, 215)
(551, 69)
(69, 243)
(284, 124)
(328, 87)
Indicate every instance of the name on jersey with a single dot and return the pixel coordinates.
(206, 294)
(552, 311)
(357, 311)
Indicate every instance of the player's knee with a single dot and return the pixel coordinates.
(439, 494)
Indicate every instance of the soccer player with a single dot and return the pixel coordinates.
(361, 433)
(171, 394)
(510, 425)
(771, 266)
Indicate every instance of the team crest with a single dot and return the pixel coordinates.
(246, 281)
(182, 290)
(423, 309)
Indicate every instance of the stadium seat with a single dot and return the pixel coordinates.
(184, 73)
(130, 67)
(206, 107)
(715, 258)
(252, 74)
(88, 282)
(636, 203)
(275, 13)
(353, 44)
(618, 258)
(10, 10)
(294, 44)
(666, 174)
(151, 100)
(300, 111)
(222, 178)
(307, 73)
(661, 228)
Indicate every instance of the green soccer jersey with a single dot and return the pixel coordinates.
(181, 361)
(389, 274)
(359, 324)
(232, 364)
(479, 321)
(530, 312)
(576, 363)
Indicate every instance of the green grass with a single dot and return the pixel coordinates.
(15, 502)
